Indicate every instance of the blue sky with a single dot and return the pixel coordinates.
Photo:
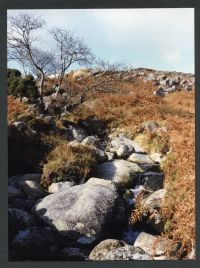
(161, 39)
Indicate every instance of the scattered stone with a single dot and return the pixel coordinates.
(150, 126)
(101, 156)
(132, 145)
(21, 203)
(73, 254)
(47, 100)
(89, 141)
(156, 83)
(192, 255)
(155, 200)
(36, 243)
(140, 159)
(150, 180)
(183, 82)
(160, 92)
(121, 172)
(102, 249)
(170, 89)
(25, 100)
(93, 125)
(13, 193)
(152, 205)
(18, 220)
(106, 183)
(58, 186)
(160, 258)
(78, 133)
(162, 77)
(156, 246)
(110, 156)
(84, 240)
(74, 143)
(157, 157)
(20, 125)
(177, 80)
(164, 82)
(124, 151)
(139, 189)
(15, 180)
(150, 167)
(130, 234)
(127, 253)
(188, 88)
(32, 189)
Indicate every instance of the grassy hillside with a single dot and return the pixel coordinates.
(133, 105)
(124, 112)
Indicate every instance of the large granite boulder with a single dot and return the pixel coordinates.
(152, 206)
(121, 172)
(84, 212)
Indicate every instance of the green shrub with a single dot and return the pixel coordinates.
(13, 73)
(22, 87)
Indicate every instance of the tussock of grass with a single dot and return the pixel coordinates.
(66, 163)
(154, 142)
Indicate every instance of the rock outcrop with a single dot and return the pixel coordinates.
(85, 212)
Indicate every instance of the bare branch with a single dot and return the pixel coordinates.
(21, 45)
(71, 50)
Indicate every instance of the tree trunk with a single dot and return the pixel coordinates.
(41, 87)
(60, 82)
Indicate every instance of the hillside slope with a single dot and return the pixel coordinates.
(146, 126)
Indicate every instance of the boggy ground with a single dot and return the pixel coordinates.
(141, 149)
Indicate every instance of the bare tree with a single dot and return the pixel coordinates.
(70, 50)
(104, 78)
(46, 61)
(21, 46)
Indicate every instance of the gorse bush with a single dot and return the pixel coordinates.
(21, 87)
(13, 73)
